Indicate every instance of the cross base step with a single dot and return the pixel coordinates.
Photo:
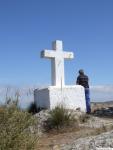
(72, 97)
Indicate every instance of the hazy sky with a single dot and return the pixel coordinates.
(28, 26)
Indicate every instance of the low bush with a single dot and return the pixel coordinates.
(60, 117)
(14, 125)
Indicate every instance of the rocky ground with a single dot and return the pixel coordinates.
(92, 133)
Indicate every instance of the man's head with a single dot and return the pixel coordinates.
(81, 71)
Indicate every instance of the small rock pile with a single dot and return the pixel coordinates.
(108, 112)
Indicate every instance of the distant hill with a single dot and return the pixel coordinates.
(105, 102)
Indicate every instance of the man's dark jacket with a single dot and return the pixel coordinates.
(83, 80)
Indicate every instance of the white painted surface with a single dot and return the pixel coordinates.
(57, 56)
(71, 96)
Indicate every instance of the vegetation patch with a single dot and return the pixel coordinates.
(60, 118)
(14, 128)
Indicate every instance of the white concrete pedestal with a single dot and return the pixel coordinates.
(72, 97)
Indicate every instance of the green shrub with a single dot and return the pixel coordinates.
(15, 128)
(60, 117)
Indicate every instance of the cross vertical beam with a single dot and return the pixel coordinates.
(57, 56)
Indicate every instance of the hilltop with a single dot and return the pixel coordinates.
(94, 130)
(58, 129)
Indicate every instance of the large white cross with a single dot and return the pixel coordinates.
(57, 56)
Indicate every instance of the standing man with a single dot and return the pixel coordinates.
(82, 79)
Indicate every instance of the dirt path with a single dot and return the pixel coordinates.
(48, 141)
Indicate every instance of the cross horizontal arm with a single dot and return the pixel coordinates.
(47, 54)
(68, 55)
